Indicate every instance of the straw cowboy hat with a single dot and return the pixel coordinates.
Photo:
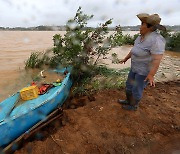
(153, 20)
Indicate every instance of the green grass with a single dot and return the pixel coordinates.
(105, 79)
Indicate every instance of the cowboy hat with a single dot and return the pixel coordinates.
(153, 20)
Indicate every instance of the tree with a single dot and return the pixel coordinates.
(83, 47)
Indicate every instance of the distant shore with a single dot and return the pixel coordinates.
(63, 28)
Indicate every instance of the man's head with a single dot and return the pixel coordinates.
(150, 23)
(145, 28)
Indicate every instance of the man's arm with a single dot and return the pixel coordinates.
(126, 58)
(155, 65)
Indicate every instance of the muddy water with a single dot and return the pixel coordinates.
(16, 47)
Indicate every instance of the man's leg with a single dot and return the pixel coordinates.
(129, 86)
(137, 91)
(139, 86)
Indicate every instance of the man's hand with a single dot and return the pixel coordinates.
(150, 79)
(122, 61)
(126, 58)
(155, 65)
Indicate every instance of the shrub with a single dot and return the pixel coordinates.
(173, 43)
(37, 59)
(82, 48)
(120, 39)
(128, 39)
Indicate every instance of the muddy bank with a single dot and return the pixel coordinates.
(100, 125)
(169, 68)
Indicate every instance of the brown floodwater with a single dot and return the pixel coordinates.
(16, 47)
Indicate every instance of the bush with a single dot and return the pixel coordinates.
(173, 43)
(81, 47)
(127, 39)
(36, 60)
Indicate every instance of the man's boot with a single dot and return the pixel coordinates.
(133, 105)
(128, 98)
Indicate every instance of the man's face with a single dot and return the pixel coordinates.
(144, 29)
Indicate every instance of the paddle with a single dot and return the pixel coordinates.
(14, 106)
(11, 109)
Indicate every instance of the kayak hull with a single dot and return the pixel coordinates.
(25, 116)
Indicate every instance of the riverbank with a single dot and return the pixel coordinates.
(100, 125)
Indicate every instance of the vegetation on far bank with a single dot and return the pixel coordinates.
(174, 28)
(172, 40)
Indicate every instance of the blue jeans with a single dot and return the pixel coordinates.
(136, 84)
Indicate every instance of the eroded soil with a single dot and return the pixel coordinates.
(98, 124)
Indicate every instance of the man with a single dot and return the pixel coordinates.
(146, 56)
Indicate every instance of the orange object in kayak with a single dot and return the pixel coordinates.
(44, 88)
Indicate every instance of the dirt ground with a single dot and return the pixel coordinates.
(98, 124)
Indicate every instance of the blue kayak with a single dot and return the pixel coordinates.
(16, 121)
